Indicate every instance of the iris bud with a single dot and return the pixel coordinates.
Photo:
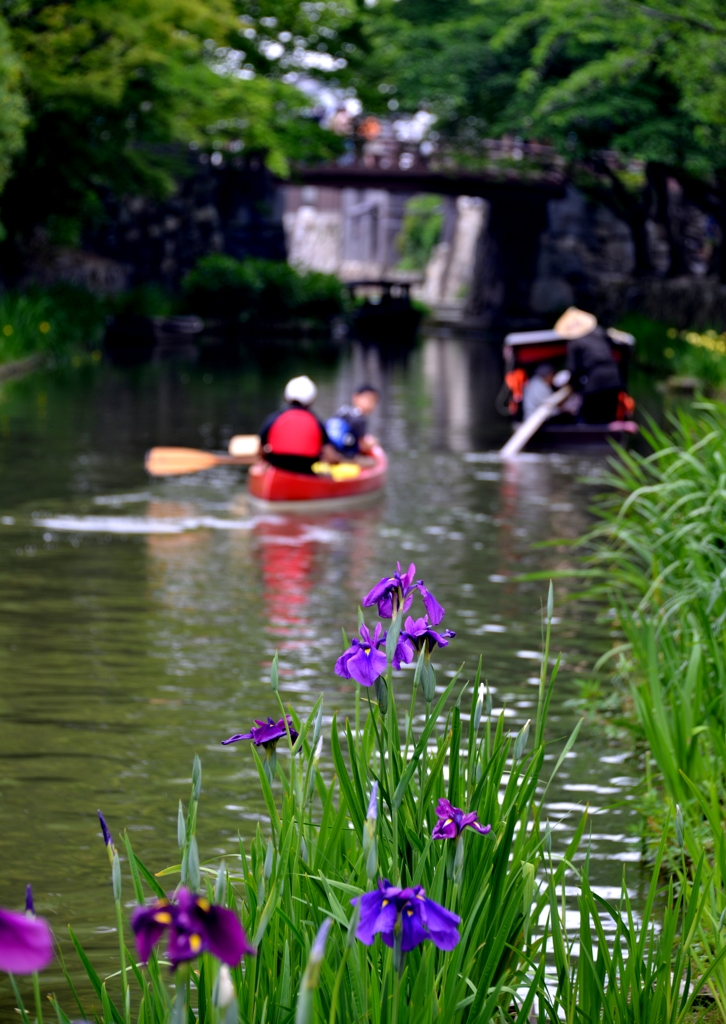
(220, 886)
(392, 636)
(107, 838)
(318, 726)
(550, 603)
(372, 860)
(680, 838)
(428, 680)
(193, 873)
(223, 992)
(197, 777)
(479, 707)
(181, 828)
(267, 870)
(318, 751)
(381, 689)
(304, 1012)
(459, 860)
(373, 803)
(116, 877)
(521, 741)
(303, 849)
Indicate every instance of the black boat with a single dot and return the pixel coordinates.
(385, 315)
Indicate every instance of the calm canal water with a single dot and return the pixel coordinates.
(138, 618)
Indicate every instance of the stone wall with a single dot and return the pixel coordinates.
(448, 276)
(233, 207)
(584, 256)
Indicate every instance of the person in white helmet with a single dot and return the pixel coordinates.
(293, 438)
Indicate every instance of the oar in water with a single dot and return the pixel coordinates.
(532, 424)
(180, 461)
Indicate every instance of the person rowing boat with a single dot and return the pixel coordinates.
(348, 429)
(294, 438)
(594, 373)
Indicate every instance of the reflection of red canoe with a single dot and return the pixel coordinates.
(268, 483)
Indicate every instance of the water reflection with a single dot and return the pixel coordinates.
(138, 619)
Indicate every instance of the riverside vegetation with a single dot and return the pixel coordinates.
(418, 882)
(64, 320)
(659, 556)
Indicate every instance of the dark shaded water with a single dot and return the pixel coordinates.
(138, 619)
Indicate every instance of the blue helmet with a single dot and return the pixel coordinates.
(341, 436)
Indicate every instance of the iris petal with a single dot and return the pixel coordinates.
(413, 932)
(225, 936)
(26, 943)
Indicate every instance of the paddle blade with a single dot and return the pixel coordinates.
(178, 461)
(244, 446)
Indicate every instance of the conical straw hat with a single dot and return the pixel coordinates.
(575, 323)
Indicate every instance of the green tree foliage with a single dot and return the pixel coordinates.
(117, 88)
(13, 110)
(420, 231)
(258, 290)
(608, 83)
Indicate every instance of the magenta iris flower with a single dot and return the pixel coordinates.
(452, 821)
(418, 635)
(419, 918)
(195, 926)
(26, 942)
(266, 734)
(394, 593)
(364, 660)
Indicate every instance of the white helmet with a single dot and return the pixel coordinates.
(302, 390)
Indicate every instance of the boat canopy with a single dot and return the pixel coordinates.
(549, 337)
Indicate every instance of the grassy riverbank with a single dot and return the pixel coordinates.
(64, 320)
(55, 322)
(659, 556)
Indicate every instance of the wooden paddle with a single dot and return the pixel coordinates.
(531, 425)
(180, 461)
(244, 445)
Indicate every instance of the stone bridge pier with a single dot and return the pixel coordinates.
(507, 254)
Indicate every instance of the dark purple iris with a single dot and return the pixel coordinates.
(26, 943)
(266, 734)
(195, 926)
(364, 660)
(395, 593)
(452, 821)
(418, 635)
(389, 910)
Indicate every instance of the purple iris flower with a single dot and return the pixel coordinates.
(452, 821)
(364, 660)
(417, 634)
(388, 909)
(395, 593)
(266, 734)
(195, 926)
(26, 943)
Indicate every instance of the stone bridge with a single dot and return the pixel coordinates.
(517, 180)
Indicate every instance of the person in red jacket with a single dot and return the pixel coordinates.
(293, 438)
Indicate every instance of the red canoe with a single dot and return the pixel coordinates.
(268, 483)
